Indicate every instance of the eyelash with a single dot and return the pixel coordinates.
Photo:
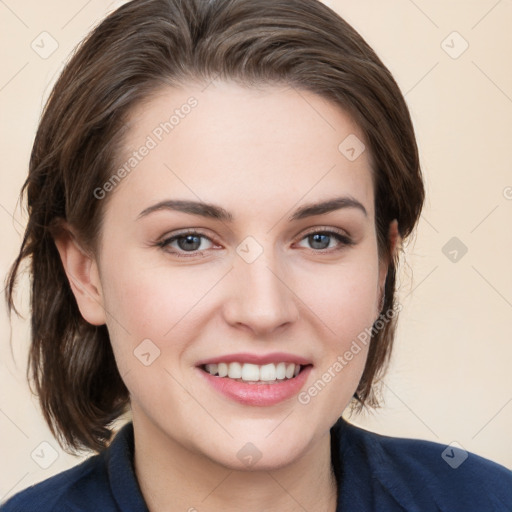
(345, 241)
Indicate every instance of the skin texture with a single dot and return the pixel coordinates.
(259, 154)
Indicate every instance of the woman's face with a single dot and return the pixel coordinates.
(246, 171)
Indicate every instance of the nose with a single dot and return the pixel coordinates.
(259, 297)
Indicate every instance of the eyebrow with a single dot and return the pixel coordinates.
(217, 212)
(328, 206)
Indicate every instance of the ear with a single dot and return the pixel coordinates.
(82, 272)
(394, 241)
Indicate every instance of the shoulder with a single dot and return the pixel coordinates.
(418, 472)
(105, 482)
(64, 491)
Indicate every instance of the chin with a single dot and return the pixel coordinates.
(259, 450)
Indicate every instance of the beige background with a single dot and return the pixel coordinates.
(450, 378)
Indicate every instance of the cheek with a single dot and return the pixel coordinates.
(342, 306)
(141, 294)
(342, 296)
(341, 300)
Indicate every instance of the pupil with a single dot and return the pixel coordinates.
(319, 241)
(189, 242)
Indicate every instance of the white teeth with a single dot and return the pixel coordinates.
(281, 371)
(222, 370)
(252, 372)
(268, 372)
(235, 371)
(212, 368)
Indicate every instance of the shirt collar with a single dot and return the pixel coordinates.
(121, 472)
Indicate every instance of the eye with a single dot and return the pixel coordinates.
(188, 242)
(192, 243)
(327, 239)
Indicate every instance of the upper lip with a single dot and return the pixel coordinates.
(259, 359)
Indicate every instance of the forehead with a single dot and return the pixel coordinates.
(226, 143)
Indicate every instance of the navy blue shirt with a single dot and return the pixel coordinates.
(374, 473)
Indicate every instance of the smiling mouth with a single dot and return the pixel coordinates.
(253, 373)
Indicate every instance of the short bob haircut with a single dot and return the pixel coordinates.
(142, 47)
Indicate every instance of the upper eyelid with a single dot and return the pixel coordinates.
(174, 236)
(326, 229)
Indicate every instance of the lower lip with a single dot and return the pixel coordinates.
(258, 394)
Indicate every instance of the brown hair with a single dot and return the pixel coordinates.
(138, 49)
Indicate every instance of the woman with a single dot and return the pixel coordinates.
(217, 195)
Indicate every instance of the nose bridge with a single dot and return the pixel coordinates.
(259, 297)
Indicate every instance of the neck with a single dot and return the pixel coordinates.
(172, 478)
